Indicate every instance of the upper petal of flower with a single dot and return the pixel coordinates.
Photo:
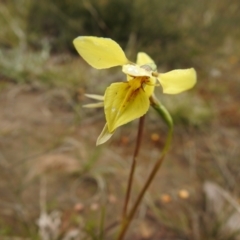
(135, 71)
(123, 103)
(143, 58)
(177, 81)
(100, 52)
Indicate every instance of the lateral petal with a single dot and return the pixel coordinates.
(99, 52)
(177, 81)
(104, 136)
(95, 96)
(123, 103)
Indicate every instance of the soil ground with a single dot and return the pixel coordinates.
(49, 163)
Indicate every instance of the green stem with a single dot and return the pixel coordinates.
(167, 118)
(134, 161)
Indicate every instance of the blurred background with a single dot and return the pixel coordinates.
(54, 182)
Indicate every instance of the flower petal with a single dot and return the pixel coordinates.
(100, 52)
(95, 96)
(143, 58)
(104, 136)
(123, 103)
(177, 81)
(136, 71)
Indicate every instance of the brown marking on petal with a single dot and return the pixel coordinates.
(132, 91)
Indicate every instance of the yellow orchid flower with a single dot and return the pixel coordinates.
(126, 101)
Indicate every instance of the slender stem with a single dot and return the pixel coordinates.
(145, 187)
(167, 118)
(134, 161)
(139, 199)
